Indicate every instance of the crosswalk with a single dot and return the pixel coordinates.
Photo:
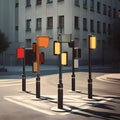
(76, 103)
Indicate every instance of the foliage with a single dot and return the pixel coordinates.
(4, 43)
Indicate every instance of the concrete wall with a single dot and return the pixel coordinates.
(16, 16)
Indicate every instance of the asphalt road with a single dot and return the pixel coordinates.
(17, 105)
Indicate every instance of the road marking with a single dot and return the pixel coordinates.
(8, 83)
(77, 102)
(30, 107)
(105, 78)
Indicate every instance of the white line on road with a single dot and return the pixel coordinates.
(27, 101)
(12, 84)
(104, 78)
(30, 107)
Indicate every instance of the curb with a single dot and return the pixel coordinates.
(113, 78)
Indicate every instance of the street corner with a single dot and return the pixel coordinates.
(111, 78)
(114, 76)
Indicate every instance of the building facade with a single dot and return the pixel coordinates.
(26, 19)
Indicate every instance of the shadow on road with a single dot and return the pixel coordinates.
(103, 111)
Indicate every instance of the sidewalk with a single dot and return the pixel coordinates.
(51, 67)
(108, 77)
(115, 76)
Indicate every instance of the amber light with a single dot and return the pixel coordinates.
(56, 48)
(92, 42)
(43, 41)
(64, 60)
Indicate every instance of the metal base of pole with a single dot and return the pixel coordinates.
(89, 88)
(60, 96)
(38, 87)
(23, 82)
(73, 82)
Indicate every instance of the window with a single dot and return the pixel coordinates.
(49, 1)
(85, 4)
(114, 13)
(104, 9)
(16, 5)
(38, 2)
(38, 23)
(104, 27)
(92, 5)
(28, 3)
(109, 29)
(77, 2)
(84, 43)
(77, 41)
(76, 22)
(98, 26)
(109, 11)
(16, 28)
(49, 22)
(61, 22)
(84, 24)
(60, 0)
(98, 7)
(28, 43)
(92, 25)
(28, 25)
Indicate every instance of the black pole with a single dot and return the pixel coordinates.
(38, 71)
(23, 77)
(89, 68)
(38, 86)
(73, 69)
(60, 85)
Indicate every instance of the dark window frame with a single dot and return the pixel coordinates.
(38, 2)
(77, 3)
(28, 3)
(109, 11)
(98, 27)
(60, 0)
(28, 25)
(92, 25)
(49, 1)
(109, 29)
(38, 23)
(61, 21)
(85, 24)
(92, 2)
(104, 27)
(85, 4)
(49, 22)
(98, 7)
(76, 22)
(104, 9)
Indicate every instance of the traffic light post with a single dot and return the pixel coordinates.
(73, 68)
(63, 60)
(58, 51)
(21, 55)
(89, 68)
(41, 41)
(38, 72)
(60, 85)
(91, 46)
(23, 76)
(76, 53)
